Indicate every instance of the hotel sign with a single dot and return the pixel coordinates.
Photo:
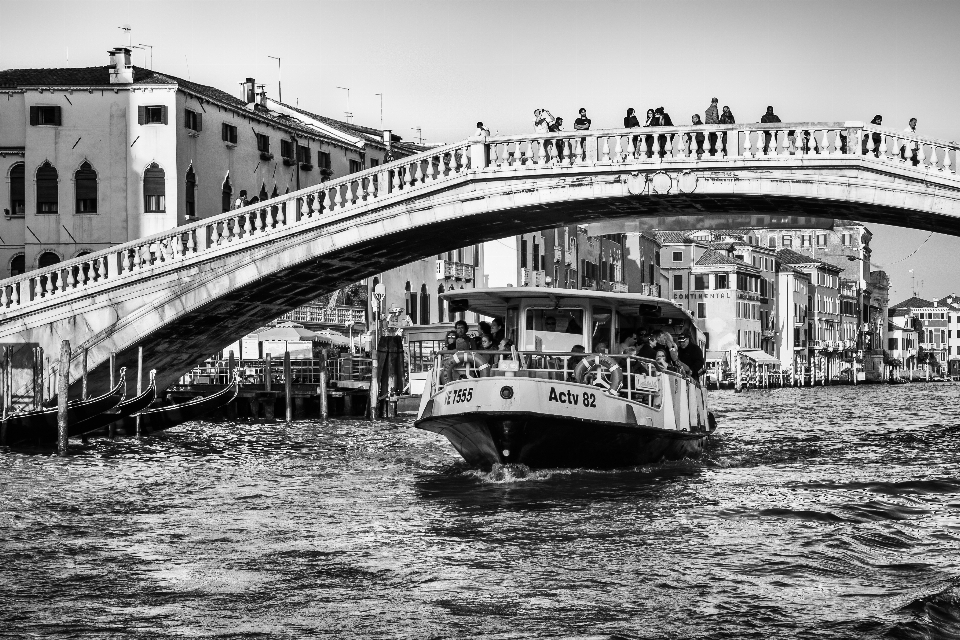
(701, 296)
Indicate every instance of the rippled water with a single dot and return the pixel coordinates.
(824, 513)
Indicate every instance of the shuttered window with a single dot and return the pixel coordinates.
(263, 143)
(41, 115)
(286, 149)
(193, 120)
(229, 133)
(191, 194)
(323, 159)
(47, 189)
(154, 187)
(152, 114)
(18, 191)
(85, 183)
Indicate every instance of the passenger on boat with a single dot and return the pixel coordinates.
(550, 324)
(486, 344)
(573, 361)
(464, 342)
(665, 340)
(691, 355)
(661, 360)
(451, 341)
(628, 344)
(496, 330)
(648, 347)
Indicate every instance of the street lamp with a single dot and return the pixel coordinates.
(279, 86)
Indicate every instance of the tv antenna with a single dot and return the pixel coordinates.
(419, 134)
(347, 113)
(128, 29)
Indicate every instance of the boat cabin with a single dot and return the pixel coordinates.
(558, 320)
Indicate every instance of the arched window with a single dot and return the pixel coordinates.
(17, 265)
(190, 201)
(47, 199)
(154, 189)
(47, 259)
(18, 191)
(227, 197)
(424, 305)
(85, 184)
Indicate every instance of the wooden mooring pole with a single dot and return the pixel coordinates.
(4, 386)
(83, 384)
(63, 388)
(324, 409)
(139, 384)
(288, 384)
(112, 429)
(267, 372)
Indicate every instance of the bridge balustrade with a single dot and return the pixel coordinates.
(736, 146)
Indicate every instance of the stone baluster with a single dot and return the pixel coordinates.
(825, 147)
(247, 224)
(527, 159)
(104, 274)
(605, 153)
(542, 153)
(36, 288)
(432, 169)
(419, 177)
(4, 299)
(838, 141)
(618, 150)
(338, 201)
(15, 293)
(191, 244)
(883, 146)
(631, 148)
(49, 288)
(397, 184)
(577, 156)
(408, 175)
(281, 216)
(748, 143)
(214, 234)
(304, 208)
(946, 160)
(93, 275)
(921, 156)
(495, 160)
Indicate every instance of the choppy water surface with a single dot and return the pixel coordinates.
(825, 513)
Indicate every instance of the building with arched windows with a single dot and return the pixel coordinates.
(97, 156)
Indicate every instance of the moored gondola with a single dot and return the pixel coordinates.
(39, 426)
(160, 418)
(128, 407)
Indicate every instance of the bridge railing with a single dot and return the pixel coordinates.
(330, 201)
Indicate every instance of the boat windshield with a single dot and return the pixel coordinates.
(553, 329)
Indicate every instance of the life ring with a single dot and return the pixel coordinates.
(479, 368)
(600, 371)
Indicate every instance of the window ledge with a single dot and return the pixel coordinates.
(15, 216)
(193, 134)
(230, 145)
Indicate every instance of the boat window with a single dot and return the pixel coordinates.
(602, 322)
(553, 329)
(628, 324)
(512, 324)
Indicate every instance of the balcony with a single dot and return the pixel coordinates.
(531, 278)
(618, 287)
(557, 254)
(650, 290)
(570, 257)
(454, 270)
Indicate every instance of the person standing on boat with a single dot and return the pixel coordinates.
(496, 330)
(665, 340)
(691, 355)
(464, 342)
(648, 347)
(451, 339)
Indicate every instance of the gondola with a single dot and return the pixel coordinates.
(126, 408)
(40, 425)
(161, 418)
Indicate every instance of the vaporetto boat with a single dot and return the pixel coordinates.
(546, 403)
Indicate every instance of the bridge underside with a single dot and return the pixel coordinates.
(185, 341)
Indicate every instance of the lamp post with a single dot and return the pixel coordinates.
(279, 86)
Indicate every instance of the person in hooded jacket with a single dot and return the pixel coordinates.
(649, 139)
(662, 119)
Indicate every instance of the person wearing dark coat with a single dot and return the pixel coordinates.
(691, 355)
(630, 121)
(768, 118)
(662, 119)
(726, 117)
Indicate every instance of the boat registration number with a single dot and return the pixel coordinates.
(457, 396)
(588, 399)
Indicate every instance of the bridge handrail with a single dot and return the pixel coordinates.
(635, 147)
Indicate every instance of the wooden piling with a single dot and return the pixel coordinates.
(288, 385)
(83, 383)
(4, 385)
(112, 429)
(373, 410)
(139, 385)
(231, 365)
(324, 409)
(267, 372)
(63, 388)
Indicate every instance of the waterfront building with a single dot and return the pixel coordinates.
(642, 264)
(935, 322)
(825, 352)
(570, 257)
(93, 157)
(902, 343)
(792, 338)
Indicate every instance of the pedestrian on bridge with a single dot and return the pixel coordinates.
(542, 119)
(695, 121)
(768, 118)
(912, 145)
(726, 117)
(649, 139)
(583, 122)
(241, 200)
(482, 130)
(662, 119)
(712, 116)
(876, 137)
(630, 121)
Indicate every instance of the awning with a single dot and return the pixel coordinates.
(716, 356)
(760, 357)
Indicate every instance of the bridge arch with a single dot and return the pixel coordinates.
(187, 292)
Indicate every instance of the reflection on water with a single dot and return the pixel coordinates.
(828, 513)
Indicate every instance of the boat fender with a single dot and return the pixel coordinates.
(480, 368)
(598, 365)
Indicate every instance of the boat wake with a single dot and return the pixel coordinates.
(933, 615)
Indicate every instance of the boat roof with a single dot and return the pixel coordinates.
(494, 301)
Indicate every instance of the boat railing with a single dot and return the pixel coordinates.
(642, 379)
(302, 371)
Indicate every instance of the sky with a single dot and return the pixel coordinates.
(443, 65)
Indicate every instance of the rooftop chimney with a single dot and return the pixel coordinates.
(121, 71)
(249, 91)
(388, 141)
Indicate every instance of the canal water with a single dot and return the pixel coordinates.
(817, 513)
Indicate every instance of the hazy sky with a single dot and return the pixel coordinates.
(444, 65)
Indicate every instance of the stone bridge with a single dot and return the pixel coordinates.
(190, 291)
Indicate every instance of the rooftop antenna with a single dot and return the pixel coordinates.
(381, 109)
(147, 46)
(128, 29)
(347, 113)
(419, 134)
(279, 86)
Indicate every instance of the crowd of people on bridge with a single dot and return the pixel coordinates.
(713, 143)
